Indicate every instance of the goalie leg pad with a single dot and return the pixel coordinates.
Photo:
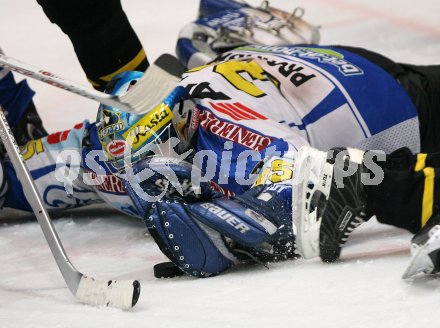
(195, 248)
(203, 238)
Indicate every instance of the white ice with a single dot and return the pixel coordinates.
(363, 290)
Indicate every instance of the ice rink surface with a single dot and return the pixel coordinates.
(363, 290)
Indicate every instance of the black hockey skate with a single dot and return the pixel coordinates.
(345, 209)
(425, 250)
(328, 204)
(29, 127)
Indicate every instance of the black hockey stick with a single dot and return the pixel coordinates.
(121, 294)
(158, 81)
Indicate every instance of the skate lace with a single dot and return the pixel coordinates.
(356, 222)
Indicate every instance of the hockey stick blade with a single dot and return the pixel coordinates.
(120, 294)
(158, 81)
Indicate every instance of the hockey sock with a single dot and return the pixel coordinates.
(104, 41)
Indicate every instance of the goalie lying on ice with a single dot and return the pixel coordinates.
(226, 195)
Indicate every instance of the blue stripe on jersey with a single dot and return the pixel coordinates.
(15, 197)
(378, 98)
(378, 110)
(38, 173)
(332, 102)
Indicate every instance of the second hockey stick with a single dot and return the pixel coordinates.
(121, 294)
(158, 81)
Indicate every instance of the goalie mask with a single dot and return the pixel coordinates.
(126, 137)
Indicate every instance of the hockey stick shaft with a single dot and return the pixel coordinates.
(158, 81)
(70, 274)
(121, 294)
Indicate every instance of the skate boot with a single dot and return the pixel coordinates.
(425, 250)
(309, 197)
(328, 202)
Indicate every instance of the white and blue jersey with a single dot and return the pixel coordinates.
(257, 97)
(255, 103)
(69, 172)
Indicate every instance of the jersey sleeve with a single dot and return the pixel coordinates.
(55, 165)
(63, 174)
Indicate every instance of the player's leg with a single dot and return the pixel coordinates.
(423, 85)
(339, 197)
(211, 7)
(328, 200)
(409, 194)
(104, 41)
(424, 203)
(16, 100)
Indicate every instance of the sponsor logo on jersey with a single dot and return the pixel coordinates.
(233, 132)
(232, 220)
(116, 148)
(237, 111)
(148, 126)
(31, 148)
(322, 55)
(111, 122)
(195, 118)
(106, 183)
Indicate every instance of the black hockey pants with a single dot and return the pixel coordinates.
(409, 194)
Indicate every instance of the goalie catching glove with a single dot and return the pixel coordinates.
(205, 233)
